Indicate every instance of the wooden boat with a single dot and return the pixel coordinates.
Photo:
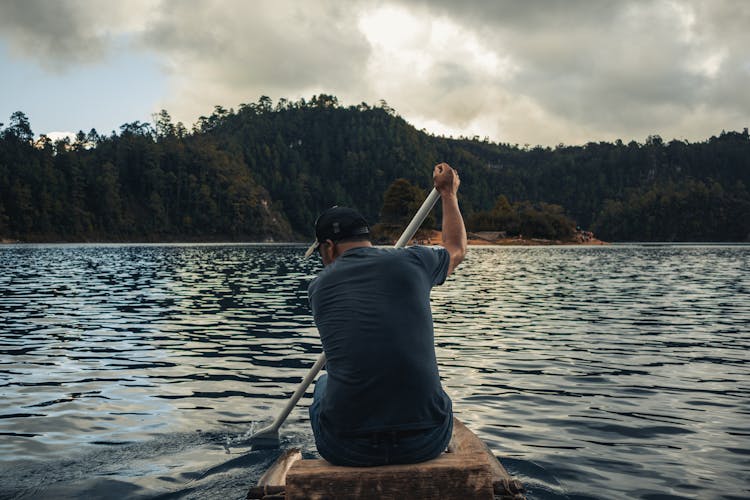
(468, 470)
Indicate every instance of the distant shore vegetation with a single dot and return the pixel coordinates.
(264, 171)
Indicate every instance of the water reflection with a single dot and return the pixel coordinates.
(619, 369)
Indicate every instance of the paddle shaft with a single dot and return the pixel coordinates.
(407, 235)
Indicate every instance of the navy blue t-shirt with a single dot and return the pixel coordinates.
(372, 309)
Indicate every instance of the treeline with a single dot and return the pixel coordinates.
(655, 191)
(265, 170)
(139, 185)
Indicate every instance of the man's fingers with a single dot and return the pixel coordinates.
(445, 174)
(441, 167)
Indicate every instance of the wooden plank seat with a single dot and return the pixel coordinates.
(468, 470)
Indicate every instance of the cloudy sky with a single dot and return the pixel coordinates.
(526, 72)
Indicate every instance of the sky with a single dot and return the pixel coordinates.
(520, 72)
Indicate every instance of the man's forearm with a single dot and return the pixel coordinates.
(454, 232)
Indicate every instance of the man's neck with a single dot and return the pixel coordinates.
(343, 247)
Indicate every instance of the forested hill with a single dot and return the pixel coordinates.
(265, 170)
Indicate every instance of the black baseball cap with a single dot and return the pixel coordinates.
(338, 223)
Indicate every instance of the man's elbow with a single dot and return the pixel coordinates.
(457, 255)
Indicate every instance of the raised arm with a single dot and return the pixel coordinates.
(454, 233)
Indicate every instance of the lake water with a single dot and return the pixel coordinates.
(138, 371)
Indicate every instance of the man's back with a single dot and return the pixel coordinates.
(372, 309)
(381, 401)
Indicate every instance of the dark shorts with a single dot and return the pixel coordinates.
(382, 448)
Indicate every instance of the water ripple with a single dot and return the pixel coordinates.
(613, 372)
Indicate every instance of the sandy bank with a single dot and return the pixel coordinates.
(488, 238)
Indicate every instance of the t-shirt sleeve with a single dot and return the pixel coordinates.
(311, 293)
(435, 261)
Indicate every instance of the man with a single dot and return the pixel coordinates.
(381, 401)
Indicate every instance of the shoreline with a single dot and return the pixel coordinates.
(482, 239)
(434, 239)
(418, 241)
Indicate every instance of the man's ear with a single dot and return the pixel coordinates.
(331, 247)
(327, 251)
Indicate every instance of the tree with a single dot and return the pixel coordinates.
(265, 104)
(20, 127)
(3, 221)
(400, 202)
(541, 220)
(163, 125)
(137, 128)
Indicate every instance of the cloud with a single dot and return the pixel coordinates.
(521, 72)
(617, 69)
(58, 136)
(229, 52)
(62, 35)
(433, 71)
